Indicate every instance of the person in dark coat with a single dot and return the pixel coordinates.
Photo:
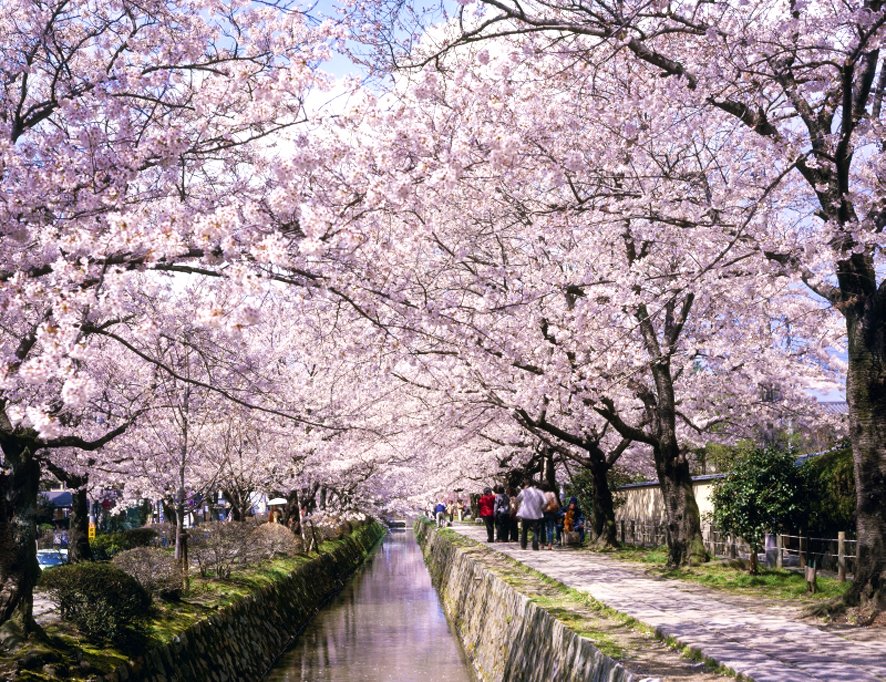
(502, 514)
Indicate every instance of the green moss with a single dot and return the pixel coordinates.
(78, 659)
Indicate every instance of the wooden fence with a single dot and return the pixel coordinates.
(829, 554)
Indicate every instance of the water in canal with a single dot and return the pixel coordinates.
(388, 624)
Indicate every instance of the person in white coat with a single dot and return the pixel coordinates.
(530, 512)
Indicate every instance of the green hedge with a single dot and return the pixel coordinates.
(107, 545)
(102, 601)
(831, 483)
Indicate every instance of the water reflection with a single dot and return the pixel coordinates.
(386, 625)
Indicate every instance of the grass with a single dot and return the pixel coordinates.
(779, 584)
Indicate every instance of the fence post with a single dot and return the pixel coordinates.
(622, 524)
(802, 552)
(841, 556)
(633, 532)
(779, 560)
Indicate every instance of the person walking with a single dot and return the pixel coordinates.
(551, 509)
(531, 513)
(502, 514)
(440, 513)
(487, 512)
(513, 523)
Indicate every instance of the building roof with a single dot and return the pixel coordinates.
(837, 407)
(651, 484)
(59, 498)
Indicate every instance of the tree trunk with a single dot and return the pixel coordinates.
(237, 506)
(290, 511)
(685, 542)
(180, 537)
(78, 530)
(78, 523)
(603, 509)
(754, 568)
(549, 472)
(181, 543)
(19, 481)
(866, 395)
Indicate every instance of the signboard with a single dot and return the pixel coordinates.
(92, 531)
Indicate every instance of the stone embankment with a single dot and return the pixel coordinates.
(507, 636)
(242, 641)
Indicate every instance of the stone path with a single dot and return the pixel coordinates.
(766, 644)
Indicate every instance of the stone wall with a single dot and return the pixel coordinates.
(504, 634)
(242, 641)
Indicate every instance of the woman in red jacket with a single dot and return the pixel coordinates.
(487, 512)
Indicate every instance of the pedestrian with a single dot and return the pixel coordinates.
(486, 504)
(440, 513)
(502, 514)
(513, 523)
(551, 509)
(530, 513)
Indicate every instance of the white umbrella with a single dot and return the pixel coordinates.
(278, 500)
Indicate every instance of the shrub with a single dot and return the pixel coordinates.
(139, 537)
(764, 492)
(219, 547)
(831, 481)
(155, 569)
(102, 601)
(107, 545)
(274, 539)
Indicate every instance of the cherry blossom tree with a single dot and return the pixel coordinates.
(550, 241)
(806, 81)
(128, 131)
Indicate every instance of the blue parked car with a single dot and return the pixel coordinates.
(47, 558)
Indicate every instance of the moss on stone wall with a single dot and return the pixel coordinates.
(227, 630)
(242, 641)
(513, 626)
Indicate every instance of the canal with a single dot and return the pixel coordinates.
(387, 624)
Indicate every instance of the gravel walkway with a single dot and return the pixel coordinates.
(764, 643)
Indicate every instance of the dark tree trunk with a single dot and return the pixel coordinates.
(78, 529)
(19, 481)
(549, 472)
(685, 542)
(78, 532)
(603, 509)
(866, 395)
(290, 511)
(683, 519)
(235, 499)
